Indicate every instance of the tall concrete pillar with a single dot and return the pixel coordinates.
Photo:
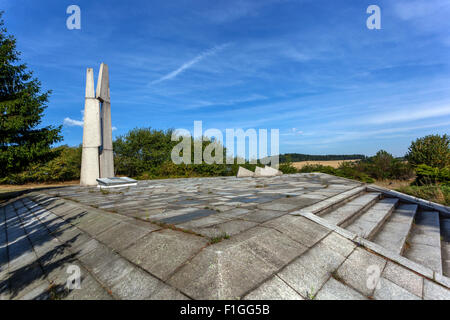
(90, 166)
(106, 155)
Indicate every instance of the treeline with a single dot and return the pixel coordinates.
(142, 153)
(297, 157)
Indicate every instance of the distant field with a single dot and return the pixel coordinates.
(331, 163)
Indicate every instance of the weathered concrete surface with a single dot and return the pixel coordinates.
(230, 239)
(91, 135)
(244, 173)
(425, 240)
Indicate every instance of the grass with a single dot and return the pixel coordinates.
(219, 238)
(435, 193)
(309, 295)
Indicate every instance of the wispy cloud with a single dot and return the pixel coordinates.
(406, 115)
(190, 63)
(72, 122)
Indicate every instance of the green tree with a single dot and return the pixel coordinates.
(432, 150)
(22, 140)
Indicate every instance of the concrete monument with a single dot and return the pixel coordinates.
(97, 157)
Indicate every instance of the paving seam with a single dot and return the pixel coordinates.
(68, 248)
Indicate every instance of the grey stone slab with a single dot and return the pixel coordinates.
(300, 229)
(353, 207)
(261, 216)
(167, 293)
(203, 222)
(90, 290)
(73, 238)
(433, 291)
(394, 232)
(23, 260)
(233, 213)
(268, 245)
(361, 271)
(97, 257)
(221, 273)
(99, 225)
(41, 292)
(404, 278)
(189, 216)
(387, 290)
(279, 206)
(123, 235)
(428, 256)
(137, 285)
(273, 289)
(335, 290)
(4, 289)
(25, 279)
(311, 270)
(162, 252)
(339, 244)
(229, 228)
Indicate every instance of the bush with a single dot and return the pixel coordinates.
(64, 166)
(427, 175)
(432, 150)
(287, 168)
(432, 192)
(345, 170)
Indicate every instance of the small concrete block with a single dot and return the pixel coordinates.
(161, 252)
(273, 289)
(387, 290)
(433, 291)
(243, 173)
(404, 278)
(359, 269)
(335, 290)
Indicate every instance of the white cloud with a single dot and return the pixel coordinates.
(190, 63)
(405, 115)
(114, 128)
(72, 123)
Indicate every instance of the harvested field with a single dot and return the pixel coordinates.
(331, 163)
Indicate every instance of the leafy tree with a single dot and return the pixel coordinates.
(432, 150)
(22, 104)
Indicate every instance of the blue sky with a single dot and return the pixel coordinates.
(310, 68)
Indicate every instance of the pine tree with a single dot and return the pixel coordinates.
(22, 140)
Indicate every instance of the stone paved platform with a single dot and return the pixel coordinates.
(203, 238)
